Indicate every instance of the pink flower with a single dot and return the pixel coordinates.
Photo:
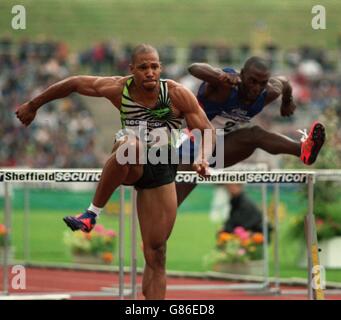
(241, 233)
(238, 230)
(241, 252)
(99, 228)
(111, 233)
(244, 236)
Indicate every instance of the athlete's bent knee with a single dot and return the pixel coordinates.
(156, 257)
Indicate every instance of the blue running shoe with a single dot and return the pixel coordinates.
(84, 221)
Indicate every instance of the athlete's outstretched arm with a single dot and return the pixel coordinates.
(281, 86)
(213, 76)
(85, 85)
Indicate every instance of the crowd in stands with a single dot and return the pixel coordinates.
(63, 133)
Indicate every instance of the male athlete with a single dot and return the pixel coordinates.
(230, 100)
(144, 100)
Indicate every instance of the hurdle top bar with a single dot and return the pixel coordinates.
(22, 175)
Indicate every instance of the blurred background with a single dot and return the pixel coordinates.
(64, 38)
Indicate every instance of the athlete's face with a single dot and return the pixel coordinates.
(146, 69)
(254, 82)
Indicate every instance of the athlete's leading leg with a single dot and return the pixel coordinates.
(275, 143)
(240, 144)
(157, 212)
(113, 175)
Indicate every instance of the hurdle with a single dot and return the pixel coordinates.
(315, 291)
(20, 176)
(33, 176)
(274, 177)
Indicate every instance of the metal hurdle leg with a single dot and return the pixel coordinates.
(133, 235)
(265, 233)
(133, 246)
(121, 243)
(276, 239)
(7, 221)
(26, 223)
(315, 291)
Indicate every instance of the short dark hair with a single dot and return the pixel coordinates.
(257, 62)
(142, 48)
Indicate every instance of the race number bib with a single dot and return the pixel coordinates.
(224, 123)
(148, 136)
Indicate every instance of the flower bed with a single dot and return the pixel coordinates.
(238, 252)
(98, 246)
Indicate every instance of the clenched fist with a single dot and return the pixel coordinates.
(288, 108)
(26, 113)
(230, 78)
(201, 168)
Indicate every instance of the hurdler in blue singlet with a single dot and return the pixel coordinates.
(232, 113)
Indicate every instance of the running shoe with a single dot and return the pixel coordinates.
(312, 143)
(84, 221)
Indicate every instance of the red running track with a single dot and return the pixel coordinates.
(59, 281)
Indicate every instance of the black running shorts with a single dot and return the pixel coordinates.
(156, 175)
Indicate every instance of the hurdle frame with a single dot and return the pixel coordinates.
(310, 180)
(121, 292)
(314, 279)
(309, 227)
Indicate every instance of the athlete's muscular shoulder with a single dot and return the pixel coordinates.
(181, 97)
(186, 103)
(111, 88)
(102, 83)
(172, 84)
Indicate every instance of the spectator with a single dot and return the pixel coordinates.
(244, 212)
(35, 66)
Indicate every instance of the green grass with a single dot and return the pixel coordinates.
(83, 22)
(191, 240)
(46, 231)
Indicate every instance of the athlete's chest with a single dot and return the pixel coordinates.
(219, 95)
(158, 105)
(231, 106)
